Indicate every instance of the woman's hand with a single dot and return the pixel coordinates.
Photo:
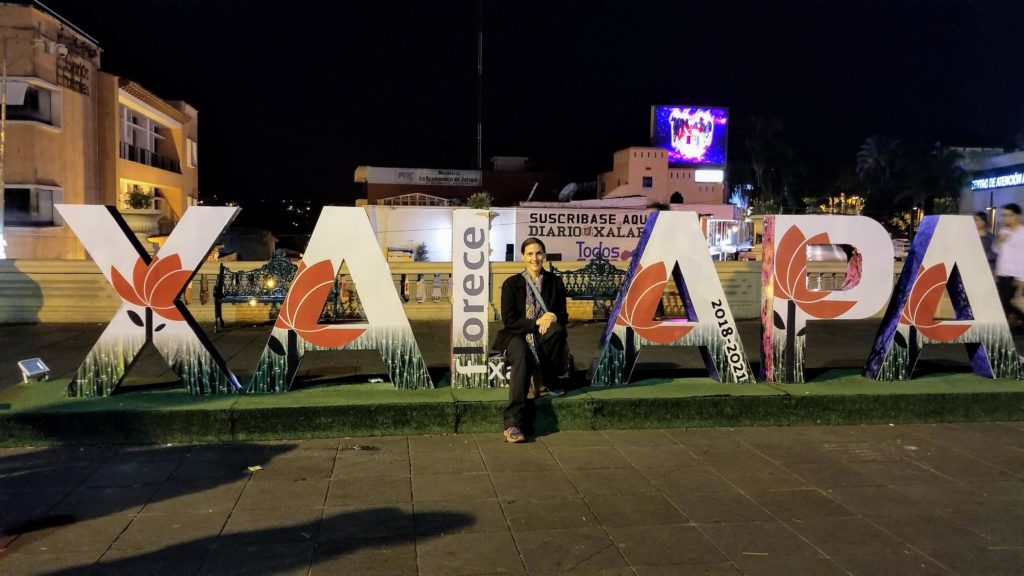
(545, 322)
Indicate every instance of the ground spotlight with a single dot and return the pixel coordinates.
(33, 370)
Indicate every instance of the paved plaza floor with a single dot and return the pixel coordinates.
(864, 500)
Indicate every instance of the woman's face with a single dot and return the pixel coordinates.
(980, 224)
(533, 256)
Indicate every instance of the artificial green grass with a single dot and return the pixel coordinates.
(682, 388)
(851, 382)
(38, 412)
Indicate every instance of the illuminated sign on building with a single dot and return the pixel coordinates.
(713, 176)
(999, 178)
(692, 135)
(423, 176)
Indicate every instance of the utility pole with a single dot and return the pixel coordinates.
(3, 150)
(480, 85)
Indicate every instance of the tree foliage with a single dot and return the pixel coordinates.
(903, 178)
(421, 253)
(772, 162)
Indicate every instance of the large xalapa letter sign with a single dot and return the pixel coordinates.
(787, 303)
(946, 257)
(341, 235)
(151, 311)
(671, 248)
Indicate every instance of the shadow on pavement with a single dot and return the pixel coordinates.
(50, 488)
(241, 553)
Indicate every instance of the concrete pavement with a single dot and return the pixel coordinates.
(864, 500)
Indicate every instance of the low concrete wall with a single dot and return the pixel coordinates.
(75, 291)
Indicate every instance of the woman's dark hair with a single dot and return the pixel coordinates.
(532, 240)
(981, 216)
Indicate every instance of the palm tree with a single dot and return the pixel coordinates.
(879, 166)
(771, 160)
(935, 173)
(908, 178)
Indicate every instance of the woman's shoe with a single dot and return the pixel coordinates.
(514, 435)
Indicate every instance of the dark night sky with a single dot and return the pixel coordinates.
(294, 95)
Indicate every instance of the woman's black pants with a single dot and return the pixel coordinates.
(551, 350)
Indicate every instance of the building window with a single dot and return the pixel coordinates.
(32, 205)
(648, 181)
(677, 198)
(31, 103)
(193, 154)
(139, 131)
(144, 140)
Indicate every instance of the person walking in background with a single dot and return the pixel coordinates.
(985, 233)
(854, 267)
(1009, 249)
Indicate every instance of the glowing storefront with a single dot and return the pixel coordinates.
(993, 182)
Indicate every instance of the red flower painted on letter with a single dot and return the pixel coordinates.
(924, 302)
(791, 277)
(641, 303)
(304, 303)
(154, 286)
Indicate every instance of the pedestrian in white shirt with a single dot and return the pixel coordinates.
(1009, 249)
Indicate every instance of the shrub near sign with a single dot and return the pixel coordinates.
(946, 255)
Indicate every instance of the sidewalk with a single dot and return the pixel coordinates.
(817, 501)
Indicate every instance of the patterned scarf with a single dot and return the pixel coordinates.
(531, 314)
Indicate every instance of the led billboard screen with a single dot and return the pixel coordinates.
(692, 135)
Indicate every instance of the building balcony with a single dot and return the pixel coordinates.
(143, 156)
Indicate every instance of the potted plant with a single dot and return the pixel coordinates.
(139, 199)
(142, 217)
(480, 201)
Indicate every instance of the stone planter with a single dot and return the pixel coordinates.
(144, 222)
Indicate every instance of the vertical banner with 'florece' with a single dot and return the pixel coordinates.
(671, 248)
(151, 311)
(471, 297)
(341, 235)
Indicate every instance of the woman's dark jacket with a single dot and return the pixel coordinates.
(513, 306)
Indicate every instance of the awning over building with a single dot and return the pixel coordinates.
(16, 90)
